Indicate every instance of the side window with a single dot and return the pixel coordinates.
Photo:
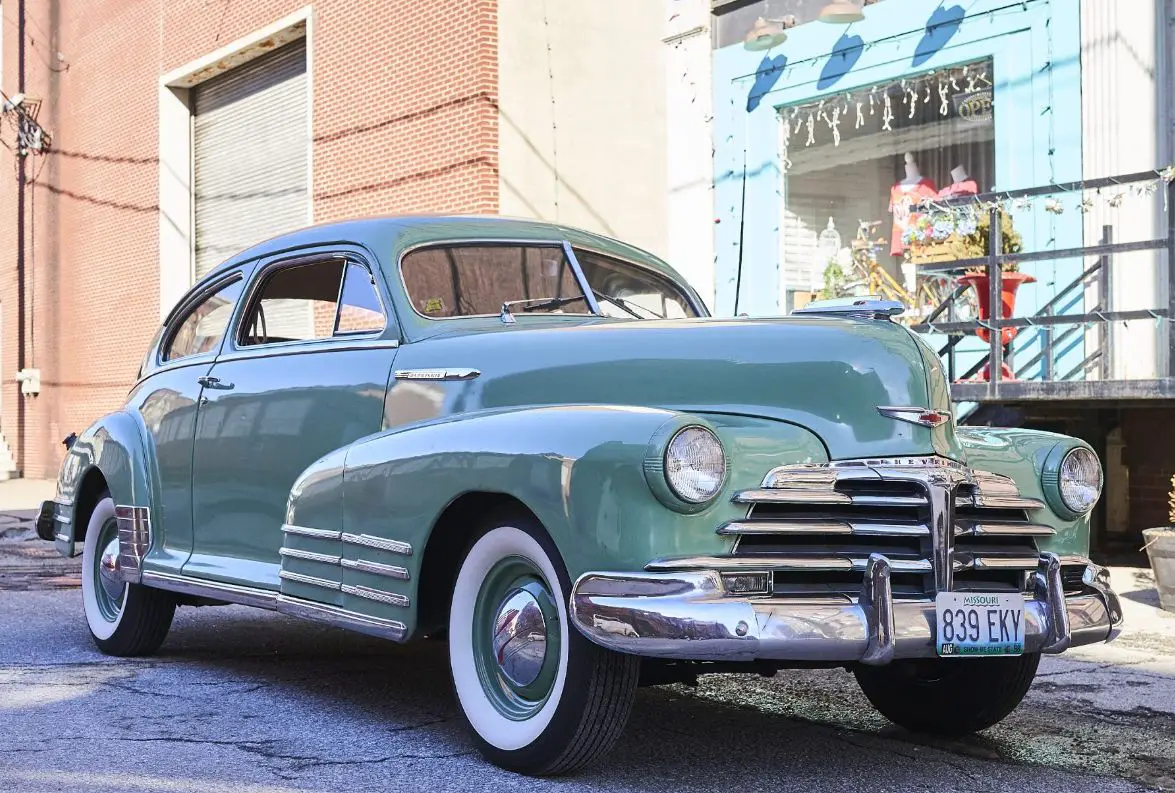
(359, 307)
(467, 280)
(294, 303)
(203, 327)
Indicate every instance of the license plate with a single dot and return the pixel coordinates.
(980, 623)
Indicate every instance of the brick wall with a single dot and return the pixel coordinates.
(1149, 436)
(405, 97)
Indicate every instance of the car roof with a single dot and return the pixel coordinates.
(388, 235)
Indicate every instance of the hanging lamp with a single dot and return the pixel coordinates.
(841, 13)
(764, 35)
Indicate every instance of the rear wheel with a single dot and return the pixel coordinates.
(948, 696)
(539, 697)
(124, 619)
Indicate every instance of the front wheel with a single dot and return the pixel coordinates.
(539, 697)
(124, 619)
(948, 696)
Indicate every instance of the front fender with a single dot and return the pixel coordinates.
(113, 446)
(579, 469)
(1022, 454)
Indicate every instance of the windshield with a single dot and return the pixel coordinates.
(626, 290)
(469, 280)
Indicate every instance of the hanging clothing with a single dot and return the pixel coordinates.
(902, 198)
(965, 187)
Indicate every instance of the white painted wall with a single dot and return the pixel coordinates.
(689, 149)
(1121, 68)
(582, 116)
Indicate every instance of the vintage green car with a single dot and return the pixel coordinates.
(533, 441)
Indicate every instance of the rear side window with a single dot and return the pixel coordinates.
(468, 280)
(203, 327)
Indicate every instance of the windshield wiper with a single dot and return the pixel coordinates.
(624, 305)
(535, 304)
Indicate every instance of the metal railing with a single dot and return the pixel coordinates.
(1049, 319)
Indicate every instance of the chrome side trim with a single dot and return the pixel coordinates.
(61, 537)
(309, 580)
(342, 618)
(134, 540)
(65, 501)
(306, 531)
(274, 601)
(379, 543)
(230, 593)
(437, 374)
(823, 527)
(391, 598)
(309, 556)
(375, 568)
(64, 520)
(778, 562)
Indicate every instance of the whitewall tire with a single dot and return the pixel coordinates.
(538, 696)
(124, 619)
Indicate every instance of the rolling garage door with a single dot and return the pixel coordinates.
(251, 154)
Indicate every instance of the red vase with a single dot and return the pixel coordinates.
(1009, 283)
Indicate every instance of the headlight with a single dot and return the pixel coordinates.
(1080, 480)
(1071, 480)
(695, 465)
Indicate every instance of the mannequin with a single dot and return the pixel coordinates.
(902, 197)
(960, 184)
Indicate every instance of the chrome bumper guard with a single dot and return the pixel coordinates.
(689, 616)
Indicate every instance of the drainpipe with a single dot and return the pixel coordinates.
(20, 247)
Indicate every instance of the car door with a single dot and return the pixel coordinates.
(304, 373)
(168, 398)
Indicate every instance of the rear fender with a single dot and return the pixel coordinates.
(113, 449)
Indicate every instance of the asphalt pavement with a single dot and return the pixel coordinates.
(244, 700)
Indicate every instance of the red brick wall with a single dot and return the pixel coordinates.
(1149, 436)
(404, 121)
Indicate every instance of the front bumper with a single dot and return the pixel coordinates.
(689, 616)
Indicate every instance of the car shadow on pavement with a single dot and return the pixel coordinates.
(731, 731)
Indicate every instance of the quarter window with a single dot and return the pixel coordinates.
(359, 307)
(203, 327)
(468, 280)
(625, 290)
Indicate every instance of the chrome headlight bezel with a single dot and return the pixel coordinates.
(1057, 473)
(658, 467)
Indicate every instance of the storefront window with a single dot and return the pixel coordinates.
(858, 167)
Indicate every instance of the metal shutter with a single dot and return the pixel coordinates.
(250, 153)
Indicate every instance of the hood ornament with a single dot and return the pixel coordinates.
(916, 415)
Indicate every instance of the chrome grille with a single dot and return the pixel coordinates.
(812, 528)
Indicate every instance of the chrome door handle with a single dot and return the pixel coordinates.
(208, 381)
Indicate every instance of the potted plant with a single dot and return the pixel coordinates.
(972, 240)
(1160, 549)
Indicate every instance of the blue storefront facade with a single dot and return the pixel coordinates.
(801, 136)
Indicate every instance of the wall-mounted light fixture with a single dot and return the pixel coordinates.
(841, 13)
(768, 33)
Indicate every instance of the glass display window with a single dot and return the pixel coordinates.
(860, 169)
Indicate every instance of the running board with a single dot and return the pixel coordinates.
(273, 601)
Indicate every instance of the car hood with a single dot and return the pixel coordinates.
(827, 374)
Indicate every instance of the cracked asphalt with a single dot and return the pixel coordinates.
(251, 702)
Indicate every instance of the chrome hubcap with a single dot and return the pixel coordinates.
(520, 638)
(108, 571)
